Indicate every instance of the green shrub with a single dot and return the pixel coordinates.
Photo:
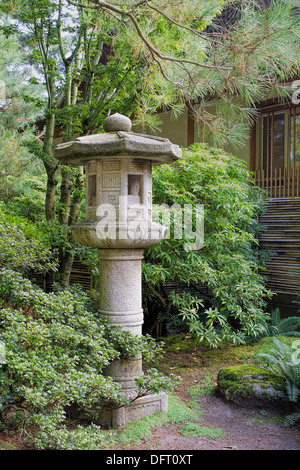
(56, 350)
(24, 246)
(81, 438)
(228, 262)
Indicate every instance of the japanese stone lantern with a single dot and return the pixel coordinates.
(119, 224)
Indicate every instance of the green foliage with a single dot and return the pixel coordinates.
(56, 346)
(277, 326)
(128, 344)
(99, 60)
(22, 176)
(25, 196)
(229, 260)
(56, 350)
(22, 181)
(23, 245)
(21, 98)
(224, 56)
(283, 360)
(81, 438)
(78, 64)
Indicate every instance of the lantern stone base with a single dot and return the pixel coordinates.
(141, 407)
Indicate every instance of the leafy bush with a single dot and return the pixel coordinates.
(81, 438)
(56, 350)
(229, 261)
(56, 347)
(22, 176)
(26, 197)
(24, 246)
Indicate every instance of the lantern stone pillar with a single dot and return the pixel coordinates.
(119, 224)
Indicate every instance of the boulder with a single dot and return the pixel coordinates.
(251, 385)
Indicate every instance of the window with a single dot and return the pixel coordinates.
(280, 140)
(134, 185)
(134, 189)
(295, 137)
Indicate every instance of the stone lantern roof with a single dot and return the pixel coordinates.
(118, 141)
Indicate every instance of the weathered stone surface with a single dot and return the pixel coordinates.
(249, 385)
(83, 149)
(125, 371)
(146, 234)
(120, 296)
(117, 122)
(143, 406)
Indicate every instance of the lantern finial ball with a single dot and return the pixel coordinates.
(117, 122)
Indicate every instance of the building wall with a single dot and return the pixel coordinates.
(177, 131)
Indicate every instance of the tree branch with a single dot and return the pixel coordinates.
(156, 293)
(129, 13)
(187, 28)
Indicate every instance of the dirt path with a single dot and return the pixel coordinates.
(245, 429)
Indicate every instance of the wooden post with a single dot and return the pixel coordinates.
(280, 182)
(272, 156)
(289, 143)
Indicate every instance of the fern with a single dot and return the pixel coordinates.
(278, 326)
(279, 361)
(291, 419)
(289, 326)
(293, 391)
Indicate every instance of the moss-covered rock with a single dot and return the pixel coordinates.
(250, 385)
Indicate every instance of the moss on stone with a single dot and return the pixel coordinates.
(248, 383)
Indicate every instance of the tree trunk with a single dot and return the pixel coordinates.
(50, 193)
(65, 195)
(77, 198)
(51, 168)
(67, 257)
(66, 269)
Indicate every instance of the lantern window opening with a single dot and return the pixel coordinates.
(92, 190)
(135, 188)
